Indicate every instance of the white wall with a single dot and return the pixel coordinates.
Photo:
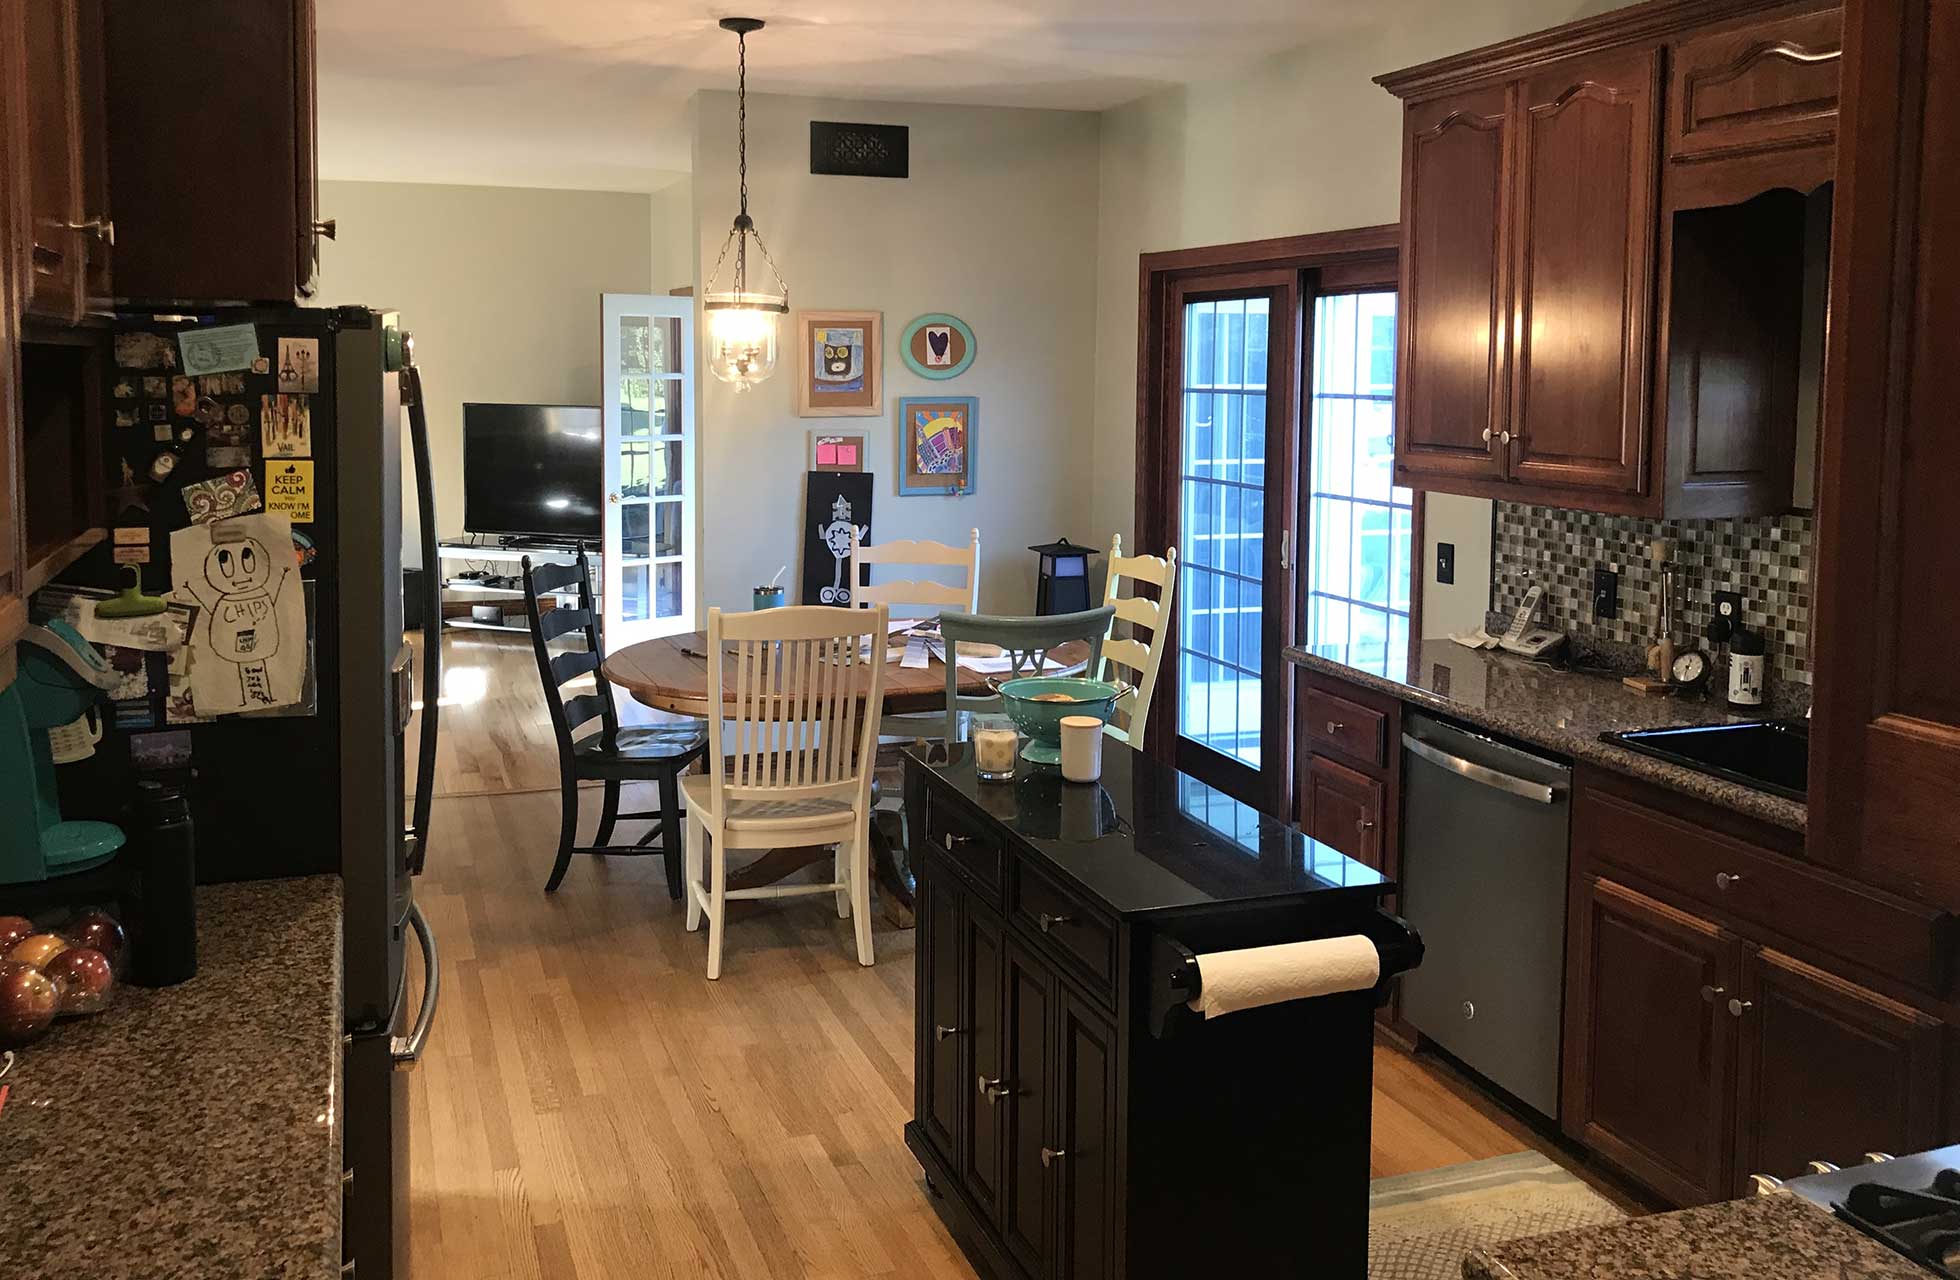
(674, 239)
(996, 225)
(499, 285)
(1302, 142)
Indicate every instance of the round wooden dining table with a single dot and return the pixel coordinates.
(671, 674)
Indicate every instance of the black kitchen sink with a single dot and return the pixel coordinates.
(1772, 755)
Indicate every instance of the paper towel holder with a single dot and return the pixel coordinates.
(1175, 979)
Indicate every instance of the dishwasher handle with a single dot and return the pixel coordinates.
(1496, 779)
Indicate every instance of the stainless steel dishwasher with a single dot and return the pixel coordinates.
(1484, 836)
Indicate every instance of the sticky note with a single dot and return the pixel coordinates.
(289, 489)
(847, 455)
(827, 454)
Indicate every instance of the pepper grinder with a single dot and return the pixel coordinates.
(1660, 657)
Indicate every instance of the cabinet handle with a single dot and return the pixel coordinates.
(940, 1033)
(994, 1090)
(103, 229)
(1049, 1156)
(1335, 726)
(1708, 993)
(1739, 1007)
(326, 228)
(1726, 880)
(1363, 826)
(953, 842)
(346, 1177)
(1046, 922)
(1504, 437)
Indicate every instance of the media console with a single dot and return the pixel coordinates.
(467, 602)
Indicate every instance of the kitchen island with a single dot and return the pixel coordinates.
(1775, 1237)
(191, 1131)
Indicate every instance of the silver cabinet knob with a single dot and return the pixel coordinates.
(1727, 880)
(993, 1090)
(326, 228)
(1486, 435)
(1362, 826)
(103, 229)
(1504, 437)
(1335, 726)
(1739, 1007)
(1050, 1155)
(941, 1032)
(1708, 993)
(1047, 922)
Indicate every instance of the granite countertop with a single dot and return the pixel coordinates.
(1563, 712)
(190, 1131)
(1775, 1237)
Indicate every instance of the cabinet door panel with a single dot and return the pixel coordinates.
(1344, 810)
(1830, 1070)
(1454, 269)
(1587, 146)
(1085, 1173)
(944, 1031)
(1773, 84)
(980, 1149)
(1649, 1043)
(59, 258)
(1025, 1222)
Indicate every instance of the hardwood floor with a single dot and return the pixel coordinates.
(591, 1106)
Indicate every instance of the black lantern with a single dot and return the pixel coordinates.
(1064, 583)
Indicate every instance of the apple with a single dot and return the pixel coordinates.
(83, 977)
(13, 929)
(39, 949)
(28, 1000)
(98, 929)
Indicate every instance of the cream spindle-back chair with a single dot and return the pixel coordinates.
(1140, 658)
(798, 700)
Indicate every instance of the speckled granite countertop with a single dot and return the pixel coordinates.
(1565, 713)
(190, 1131)
(1779, 1237)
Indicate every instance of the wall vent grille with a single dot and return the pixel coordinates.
(860, 150)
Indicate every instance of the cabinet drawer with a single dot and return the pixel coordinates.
(1083, 940)
(1769, 86)
(1748, 884)
(1359, 732)
(960, 838)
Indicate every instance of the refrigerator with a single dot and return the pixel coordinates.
(321, 787)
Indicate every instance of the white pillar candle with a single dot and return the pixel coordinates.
(994, 750)
(1081, 748)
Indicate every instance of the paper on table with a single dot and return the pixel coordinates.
(918, 655)
(1004, 665)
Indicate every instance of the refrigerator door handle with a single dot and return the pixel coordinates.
(425, 501)
(407, 1050)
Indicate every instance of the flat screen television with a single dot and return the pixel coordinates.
(533, 470)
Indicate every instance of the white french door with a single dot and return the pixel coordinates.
(650, 556)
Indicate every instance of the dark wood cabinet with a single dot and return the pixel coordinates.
(1885, 742)
(1587, 139)
(945, 1031)
(1454, 373)
(1023, 1095)
(1084, 1166)
(59, 242)
(1540, 188)
(983, 960)
(1829, 1069)
(1649, 1047)
(1345, 809)
(13, 256)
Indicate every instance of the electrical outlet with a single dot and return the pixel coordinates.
(1446, 563)
(1728, 615)
(1606, 593)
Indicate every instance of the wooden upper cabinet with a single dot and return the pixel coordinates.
(1587, 144)
(1769, 85)
(58, 263)
(13, 253)
(1885, 743)
(1451, 406)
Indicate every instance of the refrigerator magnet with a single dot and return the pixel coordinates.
(289, 489)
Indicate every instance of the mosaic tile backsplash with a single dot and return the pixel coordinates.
(1765, 558)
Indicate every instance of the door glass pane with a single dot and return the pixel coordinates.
(1360, 566)
(1221, 550)
(633, 525)
(635, 471)
(635, 405)
(635, 344)
(667, 528)
(633, 592)
(667, 468)
(667, 589)
(664, 406)
(664, 353)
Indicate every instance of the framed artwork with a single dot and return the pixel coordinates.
(833, 504)
(937, 346)
(936, 444)
(840, 364)
(837, 450)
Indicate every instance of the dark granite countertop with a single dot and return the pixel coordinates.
(190, 1131)
(1563, 712)
(1776, 1237)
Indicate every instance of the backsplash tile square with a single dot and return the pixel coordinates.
(1765, 558)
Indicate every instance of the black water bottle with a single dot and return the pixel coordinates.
(165, 942)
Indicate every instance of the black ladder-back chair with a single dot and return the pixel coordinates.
(614, 755)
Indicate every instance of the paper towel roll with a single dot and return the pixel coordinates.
(1246, 979)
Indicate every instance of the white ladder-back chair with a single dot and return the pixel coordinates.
(1142, 659)
(908, 596)
(799, 701)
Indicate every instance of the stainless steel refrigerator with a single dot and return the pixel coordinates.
(323, 788)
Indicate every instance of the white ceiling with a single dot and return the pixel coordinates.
(593, 93)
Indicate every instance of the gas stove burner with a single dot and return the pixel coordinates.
(1922, 1225)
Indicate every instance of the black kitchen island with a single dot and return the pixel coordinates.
(1074, 1118)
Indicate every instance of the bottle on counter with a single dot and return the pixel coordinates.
(164, 941)
(1746, 662)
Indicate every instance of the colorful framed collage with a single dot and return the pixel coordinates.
(936, 444)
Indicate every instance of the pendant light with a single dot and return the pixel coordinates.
(741, 321)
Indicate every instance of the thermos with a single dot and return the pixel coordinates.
(1746, 669)
(164, 939)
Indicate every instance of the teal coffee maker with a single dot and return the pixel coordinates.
(61, 677)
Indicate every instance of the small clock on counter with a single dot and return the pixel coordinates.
(1690, 669)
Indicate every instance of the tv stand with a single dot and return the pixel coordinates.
(502, 559)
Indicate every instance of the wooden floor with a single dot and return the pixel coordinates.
(591, 1106)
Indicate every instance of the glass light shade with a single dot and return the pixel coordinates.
(742, 345)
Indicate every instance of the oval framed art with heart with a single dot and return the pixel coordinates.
(937, 346)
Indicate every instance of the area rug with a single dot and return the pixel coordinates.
(1421, 1224)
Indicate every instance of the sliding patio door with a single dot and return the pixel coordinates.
(1232, 346)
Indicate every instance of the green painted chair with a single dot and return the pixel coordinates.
(1027, 641)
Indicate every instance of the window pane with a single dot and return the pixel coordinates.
(1374, 448)
(1200, 436)
(1255, 439)
(1200, 343)
(667, 534)
(1333, 446)
(665, 354)
(634, 470)
(1250, 624)
(1252, 534)
(1332, 534)
(633, 592)
(1231, 344)
(635, 519)
(664, 407)
(1402, 573)
(635, 405)
(1369, 584)
(667, 590)
(635, 344)
(1256, 324)
(667, 468)
(1377, 334)
(1368, 645)
(1333, 336)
